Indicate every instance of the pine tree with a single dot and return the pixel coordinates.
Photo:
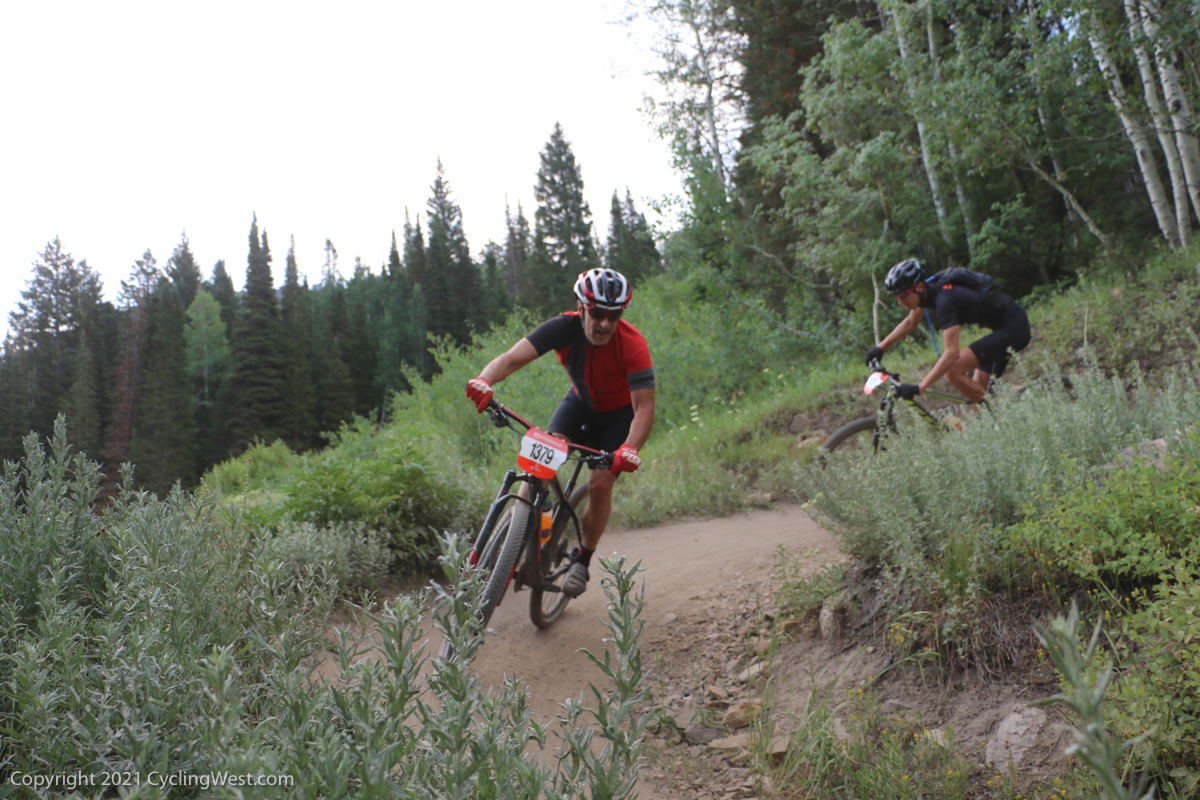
(401, 335)
(364, 306)
(414, 251)
(452, 286)
(563, 245)
(82, 406)
(183, 272)
(257, 380)
(163, 446)
(335, 387)
(208, 360)
(15, 375)
(631, 249)
(496, 303)
(516, 253)
(299, 425)
(118, 433)
(55, 307)
(221, 287)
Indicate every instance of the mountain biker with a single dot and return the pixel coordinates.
(960, 297)
(610, 405)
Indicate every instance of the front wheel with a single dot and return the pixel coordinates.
(509, 551)
(547, 605)
(855, 439)
(495, 546)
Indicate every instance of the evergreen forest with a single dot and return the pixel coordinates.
(820, 141)
(182, 372)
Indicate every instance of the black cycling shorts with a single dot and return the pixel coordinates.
(1012, 335)
(599, 430)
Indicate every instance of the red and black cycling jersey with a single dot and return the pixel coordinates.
(604, 376)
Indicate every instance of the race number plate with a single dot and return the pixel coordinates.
(541, 454)
(874, 381)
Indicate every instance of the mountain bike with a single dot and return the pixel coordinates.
(529, 541)
(866, 436)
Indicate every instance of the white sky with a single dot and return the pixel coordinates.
(126, 123)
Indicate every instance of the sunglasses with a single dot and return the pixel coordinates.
(600, 314)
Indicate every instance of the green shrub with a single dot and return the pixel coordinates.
(391, 490)
(1158, 647)
(1119, 528)
(348, 555)
(262, 467)
(930, 512)
(195, 658)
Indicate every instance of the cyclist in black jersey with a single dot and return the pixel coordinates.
(959, 297)
(610, 405)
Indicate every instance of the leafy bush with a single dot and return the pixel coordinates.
(1129, 525)
(348, 555)
(1158, 647)
(902, 505)
(261, 468)
(194, 658)
(390, 490)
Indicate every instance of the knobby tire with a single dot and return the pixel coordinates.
(510, 551)
(866, 427)
(546, 607)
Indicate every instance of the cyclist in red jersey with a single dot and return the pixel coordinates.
(610, 405)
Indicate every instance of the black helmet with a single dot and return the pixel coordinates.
(903, 276)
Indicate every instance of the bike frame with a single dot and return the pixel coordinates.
(887, 404)
(540, 490)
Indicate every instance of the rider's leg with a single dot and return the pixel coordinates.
(982, 378)
(957, 376)
(599, 507)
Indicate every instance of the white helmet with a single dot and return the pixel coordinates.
(603, 288)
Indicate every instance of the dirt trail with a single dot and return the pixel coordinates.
(703, 581)
(694, 573)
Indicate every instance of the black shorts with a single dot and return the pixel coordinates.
(1012, 335)
(598, 430)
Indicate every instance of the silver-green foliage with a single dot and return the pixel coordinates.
(168, 637)
(903, 506)
(1084, 694)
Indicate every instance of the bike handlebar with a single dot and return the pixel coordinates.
(876, 366)
(502, 417)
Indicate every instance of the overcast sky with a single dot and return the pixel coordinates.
(126, 124)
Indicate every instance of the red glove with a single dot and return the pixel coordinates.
(626, 459)
(479, 392)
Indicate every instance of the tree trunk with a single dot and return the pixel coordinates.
(935, 187)
(1070, 198)
(964, 206)
(1177, 103)
(710, 113)
(1137, 137)
(875, 304)
(1179, 187)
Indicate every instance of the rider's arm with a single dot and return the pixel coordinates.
(949, 356)
(906, 326)
(643, 418)
(519, 355)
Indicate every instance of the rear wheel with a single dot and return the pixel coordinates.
(853, 440)
(547, 605)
